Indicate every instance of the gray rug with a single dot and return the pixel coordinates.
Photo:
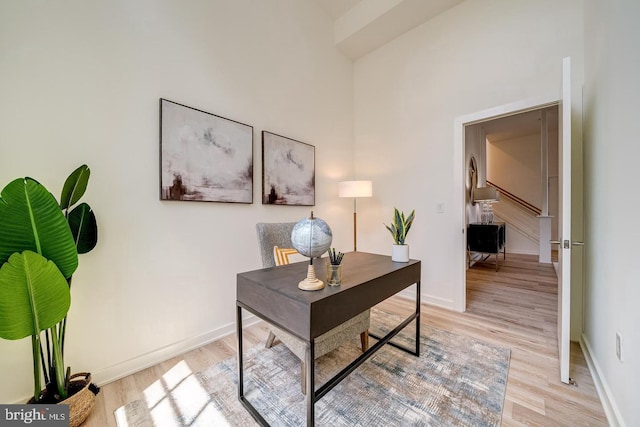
(457, 381)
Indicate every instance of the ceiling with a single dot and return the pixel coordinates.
(519, 125)
(337, 8)
(361, 26)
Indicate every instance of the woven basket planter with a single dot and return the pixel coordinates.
(81, 402)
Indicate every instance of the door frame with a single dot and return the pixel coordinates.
(459, 302)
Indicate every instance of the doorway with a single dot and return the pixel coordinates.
(461, 175)
(518, 156)
(567, 159)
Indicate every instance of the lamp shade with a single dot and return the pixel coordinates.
(355, 189)
(485, 194)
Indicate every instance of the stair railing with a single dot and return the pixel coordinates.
(522, 203)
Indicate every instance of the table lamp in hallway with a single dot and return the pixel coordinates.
(355, 189)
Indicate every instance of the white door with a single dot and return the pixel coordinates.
(564, 221)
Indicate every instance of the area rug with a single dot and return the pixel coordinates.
(456, 381)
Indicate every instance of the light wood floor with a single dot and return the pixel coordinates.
(514, 307)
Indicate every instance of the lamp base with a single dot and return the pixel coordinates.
(311, 283)
(486, 217)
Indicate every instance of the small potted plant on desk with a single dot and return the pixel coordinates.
(399, 230)
(39, 244)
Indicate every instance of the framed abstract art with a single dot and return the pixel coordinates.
(204, 157)
(288, 171)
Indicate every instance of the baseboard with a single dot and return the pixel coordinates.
(438, 302)
(426, 299)
(138, 363)
(522, 252)
(604, 392)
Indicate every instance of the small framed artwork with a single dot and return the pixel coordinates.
(204, 157)
(288, 171)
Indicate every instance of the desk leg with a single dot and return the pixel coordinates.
(240, 369)
(243, 400)
(418, 318)
(311, 381)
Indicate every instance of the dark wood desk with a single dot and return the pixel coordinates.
(272, 294)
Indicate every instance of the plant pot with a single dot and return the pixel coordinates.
(81, 401)
(400, 253)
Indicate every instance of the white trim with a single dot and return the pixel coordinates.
(604, 392)
(438, 302)
(427, 299)
(138, 363)
(459, 302)
(523, 252)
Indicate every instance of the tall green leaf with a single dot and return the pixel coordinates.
(30, 218)
(34, 295)
(84, 228)
(409, 221)
(74, 187)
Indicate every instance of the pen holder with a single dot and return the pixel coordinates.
(334, 274)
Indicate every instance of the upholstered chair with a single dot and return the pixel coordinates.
(271, 235)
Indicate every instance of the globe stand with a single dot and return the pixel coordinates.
(311, 237)
(311, 283)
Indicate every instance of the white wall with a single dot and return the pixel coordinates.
(80, 83)
(611, 152)
(514, 164)
(473, 57)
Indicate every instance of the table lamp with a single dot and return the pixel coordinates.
(355, 189)
(486, 196)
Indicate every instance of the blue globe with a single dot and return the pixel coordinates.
(311, 237)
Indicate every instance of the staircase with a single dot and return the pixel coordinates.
(520, 216)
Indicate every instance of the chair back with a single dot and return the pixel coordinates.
(270, 235)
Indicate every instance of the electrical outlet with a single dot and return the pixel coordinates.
(619, 346)
(440, 207)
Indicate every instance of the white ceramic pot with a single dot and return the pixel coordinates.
(400, 253)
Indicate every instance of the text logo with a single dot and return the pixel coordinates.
(34, 415)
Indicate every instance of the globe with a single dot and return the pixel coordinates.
(311, 236)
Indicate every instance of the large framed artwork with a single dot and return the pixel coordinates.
(204, 157)
(288, 171)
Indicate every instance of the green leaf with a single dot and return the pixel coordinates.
(409, 221)
(397, 218)
(394, 232)
(390, 230)
(84, 228)
(31, 219)
(34, 295)
(74, 187)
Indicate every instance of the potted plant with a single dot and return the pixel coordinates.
(40, 240)
(399, 230)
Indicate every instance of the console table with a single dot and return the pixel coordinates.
(487, 238)
(272, 294)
